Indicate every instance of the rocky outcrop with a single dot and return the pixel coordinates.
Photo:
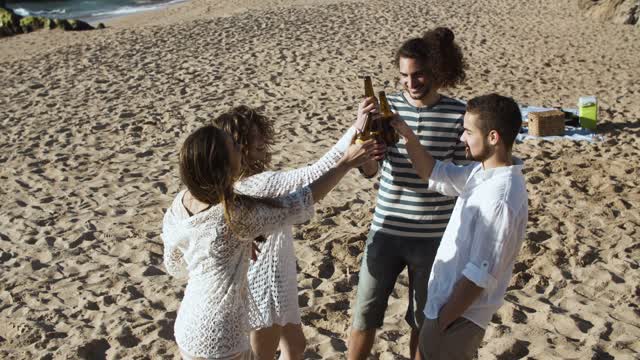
(9, 22)
(617, 11)
(12, 23)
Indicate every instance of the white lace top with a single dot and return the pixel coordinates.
(213, 319)
(272, 278)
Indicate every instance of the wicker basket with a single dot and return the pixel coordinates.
(546, 123)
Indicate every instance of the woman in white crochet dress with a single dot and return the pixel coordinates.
(272, 277)
(207, 235)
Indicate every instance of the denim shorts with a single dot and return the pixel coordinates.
(385, 257)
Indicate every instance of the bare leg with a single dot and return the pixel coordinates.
(292, 342)
(264, 342)
(360, 343)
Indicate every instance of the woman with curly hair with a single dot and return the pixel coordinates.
(207, 235)
(272, 277)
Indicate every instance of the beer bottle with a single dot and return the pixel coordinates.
(388, 132)
(368, 87)
(372, 128)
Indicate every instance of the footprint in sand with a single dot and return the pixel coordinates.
(94, 350)
(5, 256)
(127, 340)
(303, 300)
(513, 349)
(153, 271)
(538, 236)
(340, 305)
(37, 265)
(583, 325)
(166, 329)
(520, 281)
(338, 345)
(133, 292)
(343, 286)
(326, 269)
(160, 186)
(87, 236)
(519, 317)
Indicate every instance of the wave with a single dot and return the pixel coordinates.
(133, 9)
(25, 12)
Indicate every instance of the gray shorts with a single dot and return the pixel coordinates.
(385, 257)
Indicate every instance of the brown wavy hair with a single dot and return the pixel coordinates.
(205, 167)
(238, 122)
(439, 54)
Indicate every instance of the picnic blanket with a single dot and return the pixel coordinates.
(570, 132)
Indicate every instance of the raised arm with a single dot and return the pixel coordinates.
(420, 158)
(278, 183)
(370, 168)
(265, 216)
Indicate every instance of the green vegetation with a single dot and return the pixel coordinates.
(13, 24)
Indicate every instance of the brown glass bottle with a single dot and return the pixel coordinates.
(372, 126)
(368, 87)
(387, 132)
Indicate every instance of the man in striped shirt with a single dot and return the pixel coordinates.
(409, 220)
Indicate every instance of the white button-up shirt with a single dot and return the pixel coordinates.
(483, 237)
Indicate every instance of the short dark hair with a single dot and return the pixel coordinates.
(499, 113)
(438, 53)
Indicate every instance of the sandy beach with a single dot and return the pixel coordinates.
(91, 123)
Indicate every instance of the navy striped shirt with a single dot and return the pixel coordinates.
(405, 207)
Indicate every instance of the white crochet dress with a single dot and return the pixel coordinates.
(213, 319)
(272, 278)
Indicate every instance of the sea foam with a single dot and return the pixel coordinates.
(25, 12)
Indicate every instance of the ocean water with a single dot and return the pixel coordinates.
(87, 10)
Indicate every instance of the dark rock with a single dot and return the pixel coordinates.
(9, 22)
(13, 24)
(78, 25)
(49, 24)
(32, 23)
(62, 24)
(100, 26)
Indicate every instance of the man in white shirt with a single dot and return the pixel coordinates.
(474, 263)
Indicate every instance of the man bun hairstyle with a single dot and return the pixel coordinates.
(499, 113)
(444, 36)
(439, 54)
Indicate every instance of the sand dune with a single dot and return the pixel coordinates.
(91, 123)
